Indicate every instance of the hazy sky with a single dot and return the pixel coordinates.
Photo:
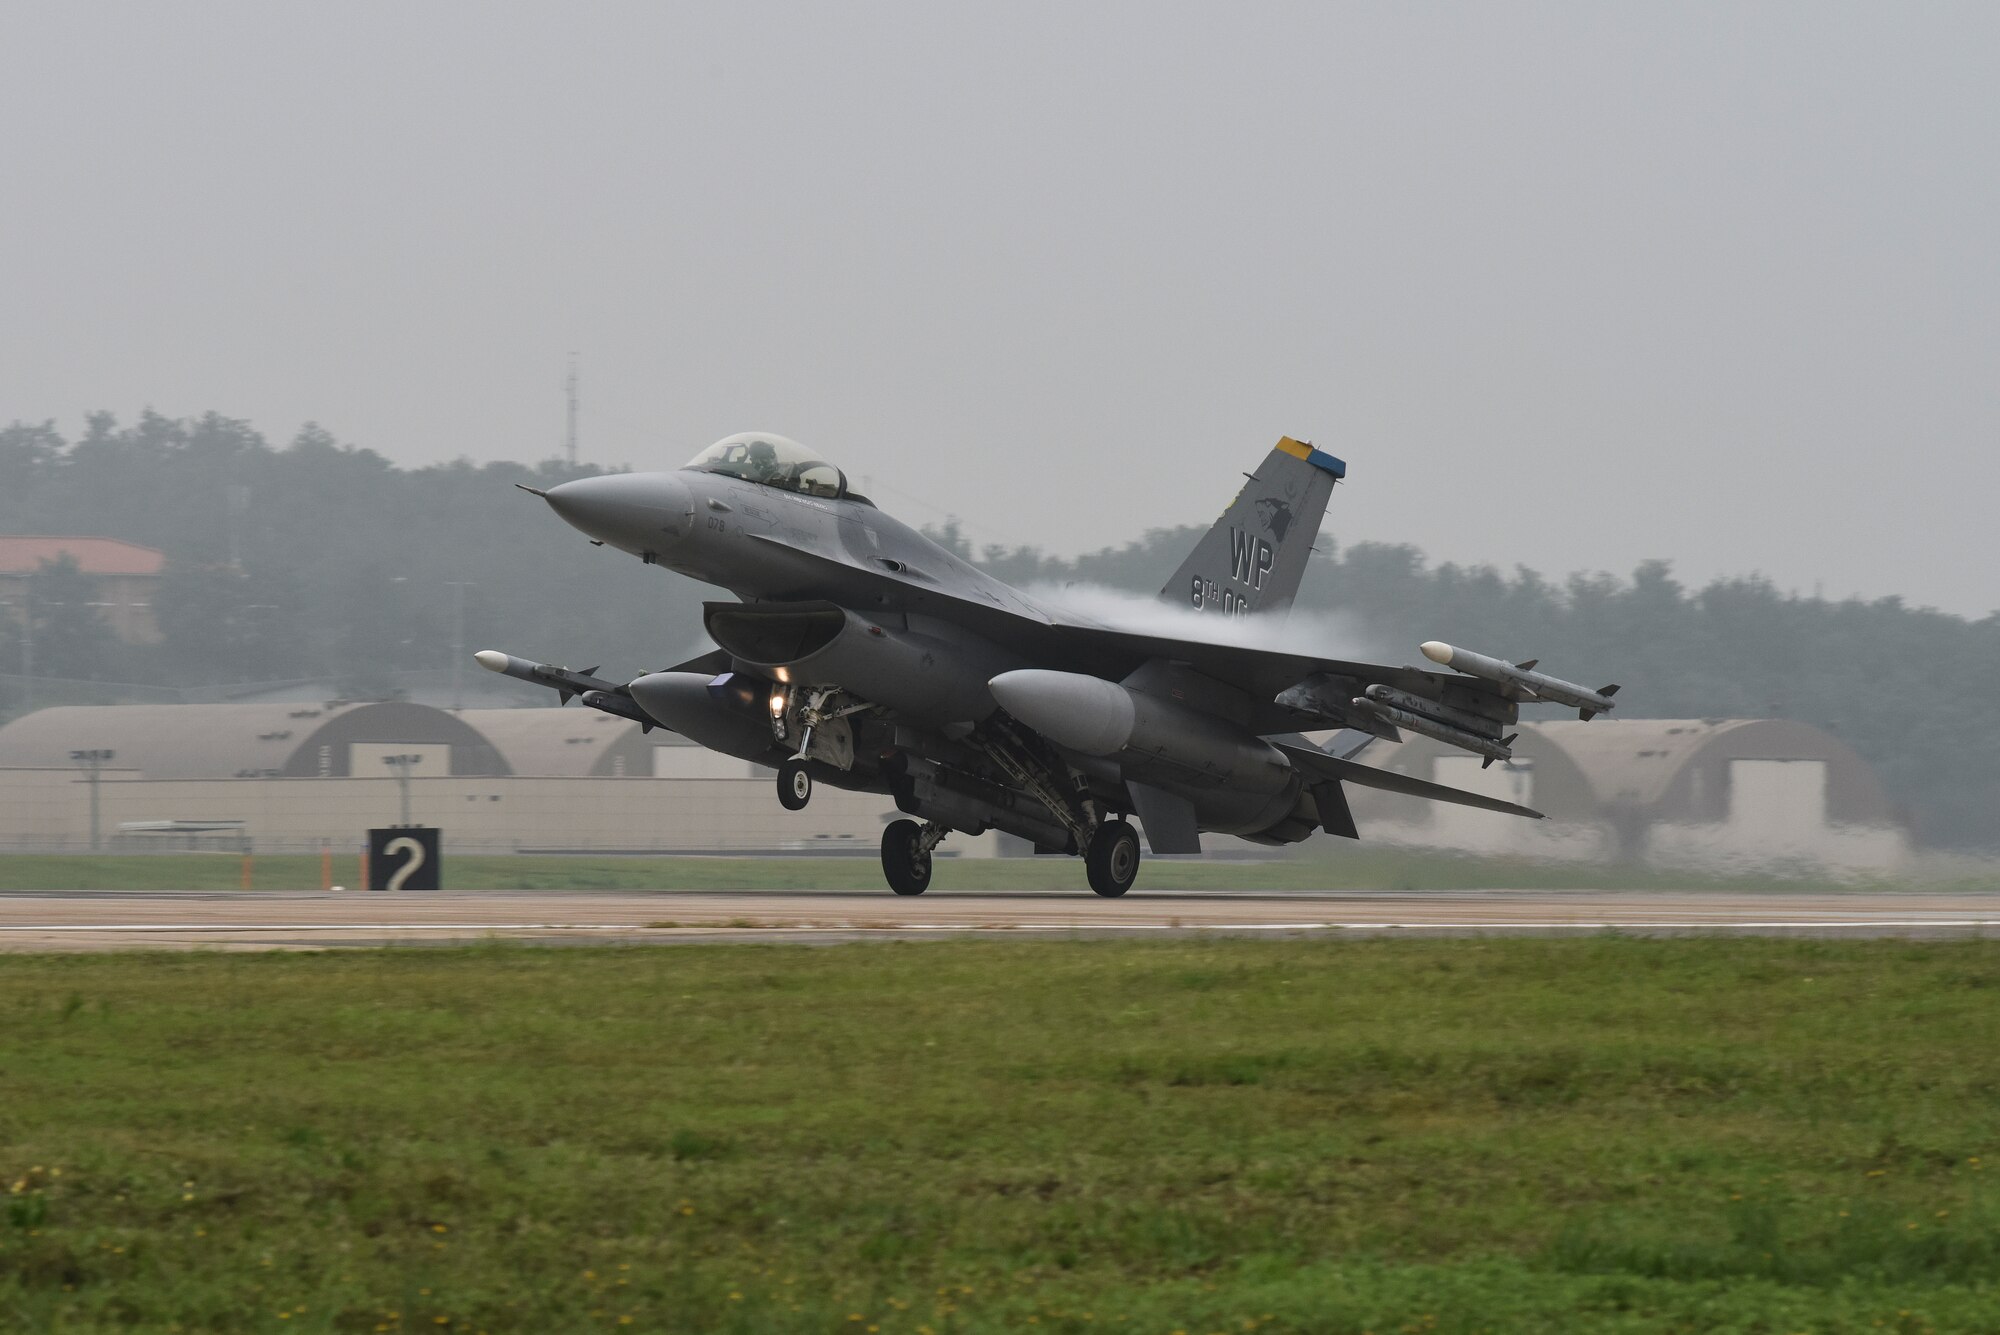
(1569, 285)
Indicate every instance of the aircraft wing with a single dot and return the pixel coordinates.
(1262, 674)
(1052, 639)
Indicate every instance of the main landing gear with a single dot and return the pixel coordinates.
(1112, 858)
(795, 785)
(906, 855)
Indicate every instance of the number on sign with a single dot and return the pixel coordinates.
(409, 868)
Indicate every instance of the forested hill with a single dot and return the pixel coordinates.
(312, 558)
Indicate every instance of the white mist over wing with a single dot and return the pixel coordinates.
(1319, 634)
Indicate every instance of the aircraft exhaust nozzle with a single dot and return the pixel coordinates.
(1534, 685)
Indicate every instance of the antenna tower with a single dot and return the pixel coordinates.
(569, 438)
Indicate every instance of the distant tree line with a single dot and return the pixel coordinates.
(315, 559)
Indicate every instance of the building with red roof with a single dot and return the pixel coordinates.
(127, 577)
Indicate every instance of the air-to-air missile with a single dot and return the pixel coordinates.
(1493, 748)
(565, 682)
(1532, 685)
(722, 713)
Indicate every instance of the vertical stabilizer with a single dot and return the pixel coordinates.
(1255, 556)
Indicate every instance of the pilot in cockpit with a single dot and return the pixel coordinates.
(763, 462)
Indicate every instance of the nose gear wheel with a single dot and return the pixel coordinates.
(795, 785)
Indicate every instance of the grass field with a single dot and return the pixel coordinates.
(1362, 868)
(1191, 1135)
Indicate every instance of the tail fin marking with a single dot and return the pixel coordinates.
(1255, 557)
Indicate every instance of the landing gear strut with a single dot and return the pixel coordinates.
(795, 785)
(906, 855)
(1112, 858)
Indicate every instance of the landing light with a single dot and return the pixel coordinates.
(777, 704)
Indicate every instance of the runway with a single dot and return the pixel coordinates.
(97, 921)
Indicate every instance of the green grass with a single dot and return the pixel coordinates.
(1360, 868)
(1198, 1135)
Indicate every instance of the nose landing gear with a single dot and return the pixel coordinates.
(795, 785)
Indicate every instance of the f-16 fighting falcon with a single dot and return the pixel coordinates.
(860, 654)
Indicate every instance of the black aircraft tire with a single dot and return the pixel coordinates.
(1113, 858)
(795, 785)
(907, 871)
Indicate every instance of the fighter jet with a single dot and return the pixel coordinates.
(858, 653)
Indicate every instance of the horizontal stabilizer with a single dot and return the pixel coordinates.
(1319, 764)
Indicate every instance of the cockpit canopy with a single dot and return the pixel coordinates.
(771, 461)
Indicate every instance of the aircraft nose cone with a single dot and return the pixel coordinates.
(635, 512)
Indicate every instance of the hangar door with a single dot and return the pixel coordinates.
(1778, 796)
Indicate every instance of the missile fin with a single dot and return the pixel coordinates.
(1527, 664)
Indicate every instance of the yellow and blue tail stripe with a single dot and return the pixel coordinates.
(1299, 449)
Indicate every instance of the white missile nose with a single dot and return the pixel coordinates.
(1437, 651)
(491, 659)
